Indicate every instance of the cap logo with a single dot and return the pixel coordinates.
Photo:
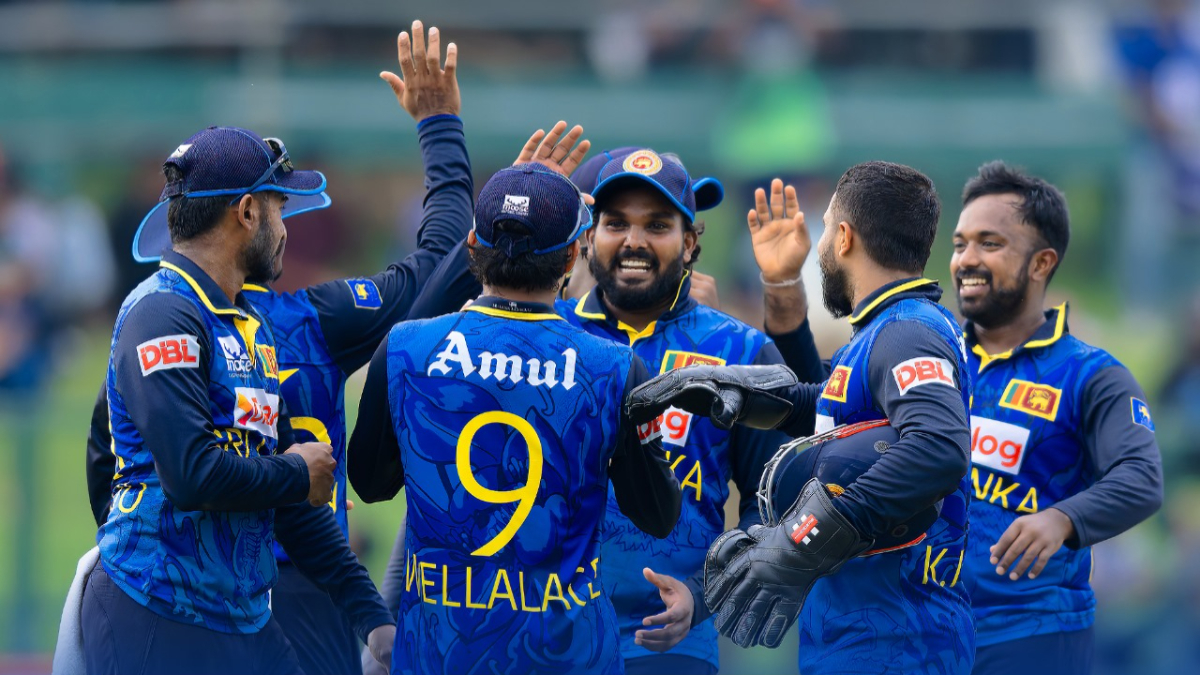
(516, 205)
(645, 162)
(180, 150)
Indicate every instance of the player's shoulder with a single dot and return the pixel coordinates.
(714, 320)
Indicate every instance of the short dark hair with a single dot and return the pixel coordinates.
(190, 217)
(895, 210)
(525, 271)
(1043, 206)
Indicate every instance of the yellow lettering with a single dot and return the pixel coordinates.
(121, 498)
(410, 572)
(1030, 499)
(521, 588)
(571, 590)
(1002, 495)
(931, 567)
(981, 494)
(595, 573)
(446, 601)
(677, 461)
(958, 569)
(472, 605)
(551, 584)
(694, 483)
(524, 496)
(426, 582)
(501, 574)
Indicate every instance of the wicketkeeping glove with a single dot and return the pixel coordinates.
(755, 582)
(751, 395)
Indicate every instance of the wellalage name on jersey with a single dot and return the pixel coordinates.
(491, 587)
(502, 366)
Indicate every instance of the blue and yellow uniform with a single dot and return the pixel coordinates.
(324, 334)
(904, 610)
(1055, 423)
(704, 457)
(199, 495)
(504, 422)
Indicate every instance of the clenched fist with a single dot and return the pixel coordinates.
(318, 457)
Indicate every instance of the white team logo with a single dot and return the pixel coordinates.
(516, 205)
(179, 152)
(236, 359)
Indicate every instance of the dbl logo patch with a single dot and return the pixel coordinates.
(366, 293)
(1038, 400)
(171, 351)
(923, 370)
(836, 385)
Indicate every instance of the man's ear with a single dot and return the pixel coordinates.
(845, 239)
(572, 256)
(1043, 264)
(247, 213)
(689, 244)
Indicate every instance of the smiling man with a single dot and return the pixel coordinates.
(1062, 443)
(642, 251)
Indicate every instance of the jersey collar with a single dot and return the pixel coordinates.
(492, 305)
(1047, 334)
(903, 289)
(592, 308)
(203, 285)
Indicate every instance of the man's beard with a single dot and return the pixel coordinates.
(661, 287)
(1000, 305)
(258, 259)
(836, 289)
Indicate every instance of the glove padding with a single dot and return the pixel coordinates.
(755, 582)
(751, 395)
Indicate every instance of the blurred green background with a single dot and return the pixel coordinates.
(1101, 98)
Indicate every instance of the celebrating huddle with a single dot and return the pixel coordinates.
(566, 451)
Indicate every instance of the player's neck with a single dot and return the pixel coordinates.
(518, 295)
(639, 319)
(219, 264)
(1013, 333)
(872, 278)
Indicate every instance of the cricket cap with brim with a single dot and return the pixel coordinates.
(665, 173)
(547, 203)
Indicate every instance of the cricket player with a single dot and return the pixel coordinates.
(193, 393)
(863, 609)
(1062, 442)
(642, 250)
(329, 331)
(504, 422)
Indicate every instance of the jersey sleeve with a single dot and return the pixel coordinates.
(315, 544)
(373, 454)
(1122, 451)
(101, 462)
(646, 488)
(356, 314)
(798, 350)
(933, 453)
(449, 287)
(169, 407)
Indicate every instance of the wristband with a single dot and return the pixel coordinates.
(781, 284)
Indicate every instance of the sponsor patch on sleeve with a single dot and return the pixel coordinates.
(923, 370)
(170, 351)
(366, 293)
(1141, 413)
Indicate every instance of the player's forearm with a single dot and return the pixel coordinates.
(798, 349)
(700, 611)
(450, 188)
(646, 488)
(316, 546)
(218, 481)
(786, 308)
(800, 422)
(1128, 494)
(449, 286)
(373, 453)
(101, 462)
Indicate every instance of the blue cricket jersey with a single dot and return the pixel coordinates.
(905, 610)
(1054, 423)
(703, 456)
(503, 421)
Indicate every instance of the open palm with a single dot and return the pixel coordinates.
(778, 233)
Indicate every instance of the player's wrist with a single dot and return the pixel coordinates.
(782, 279)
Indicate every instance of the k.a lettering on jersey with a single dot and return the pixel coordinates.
(170, 351)
(923, 370)
(998, 445)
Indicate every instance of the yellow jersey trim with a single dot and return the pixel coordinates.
(519, 316)
(855, 318)
(203, 297)
(1060, 324)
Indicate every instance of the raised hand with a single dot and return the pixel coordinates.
(778, 233)
(563, 156)
(427, 89)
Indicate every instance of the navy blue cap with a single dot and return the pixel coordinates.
(230, 161)
(666, 173)
(585, 176)
(546, 202)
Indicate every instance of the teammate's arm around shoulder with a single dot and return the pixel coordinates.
(169, 406)
(916, 377)
(373, 454)
(646, 488)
